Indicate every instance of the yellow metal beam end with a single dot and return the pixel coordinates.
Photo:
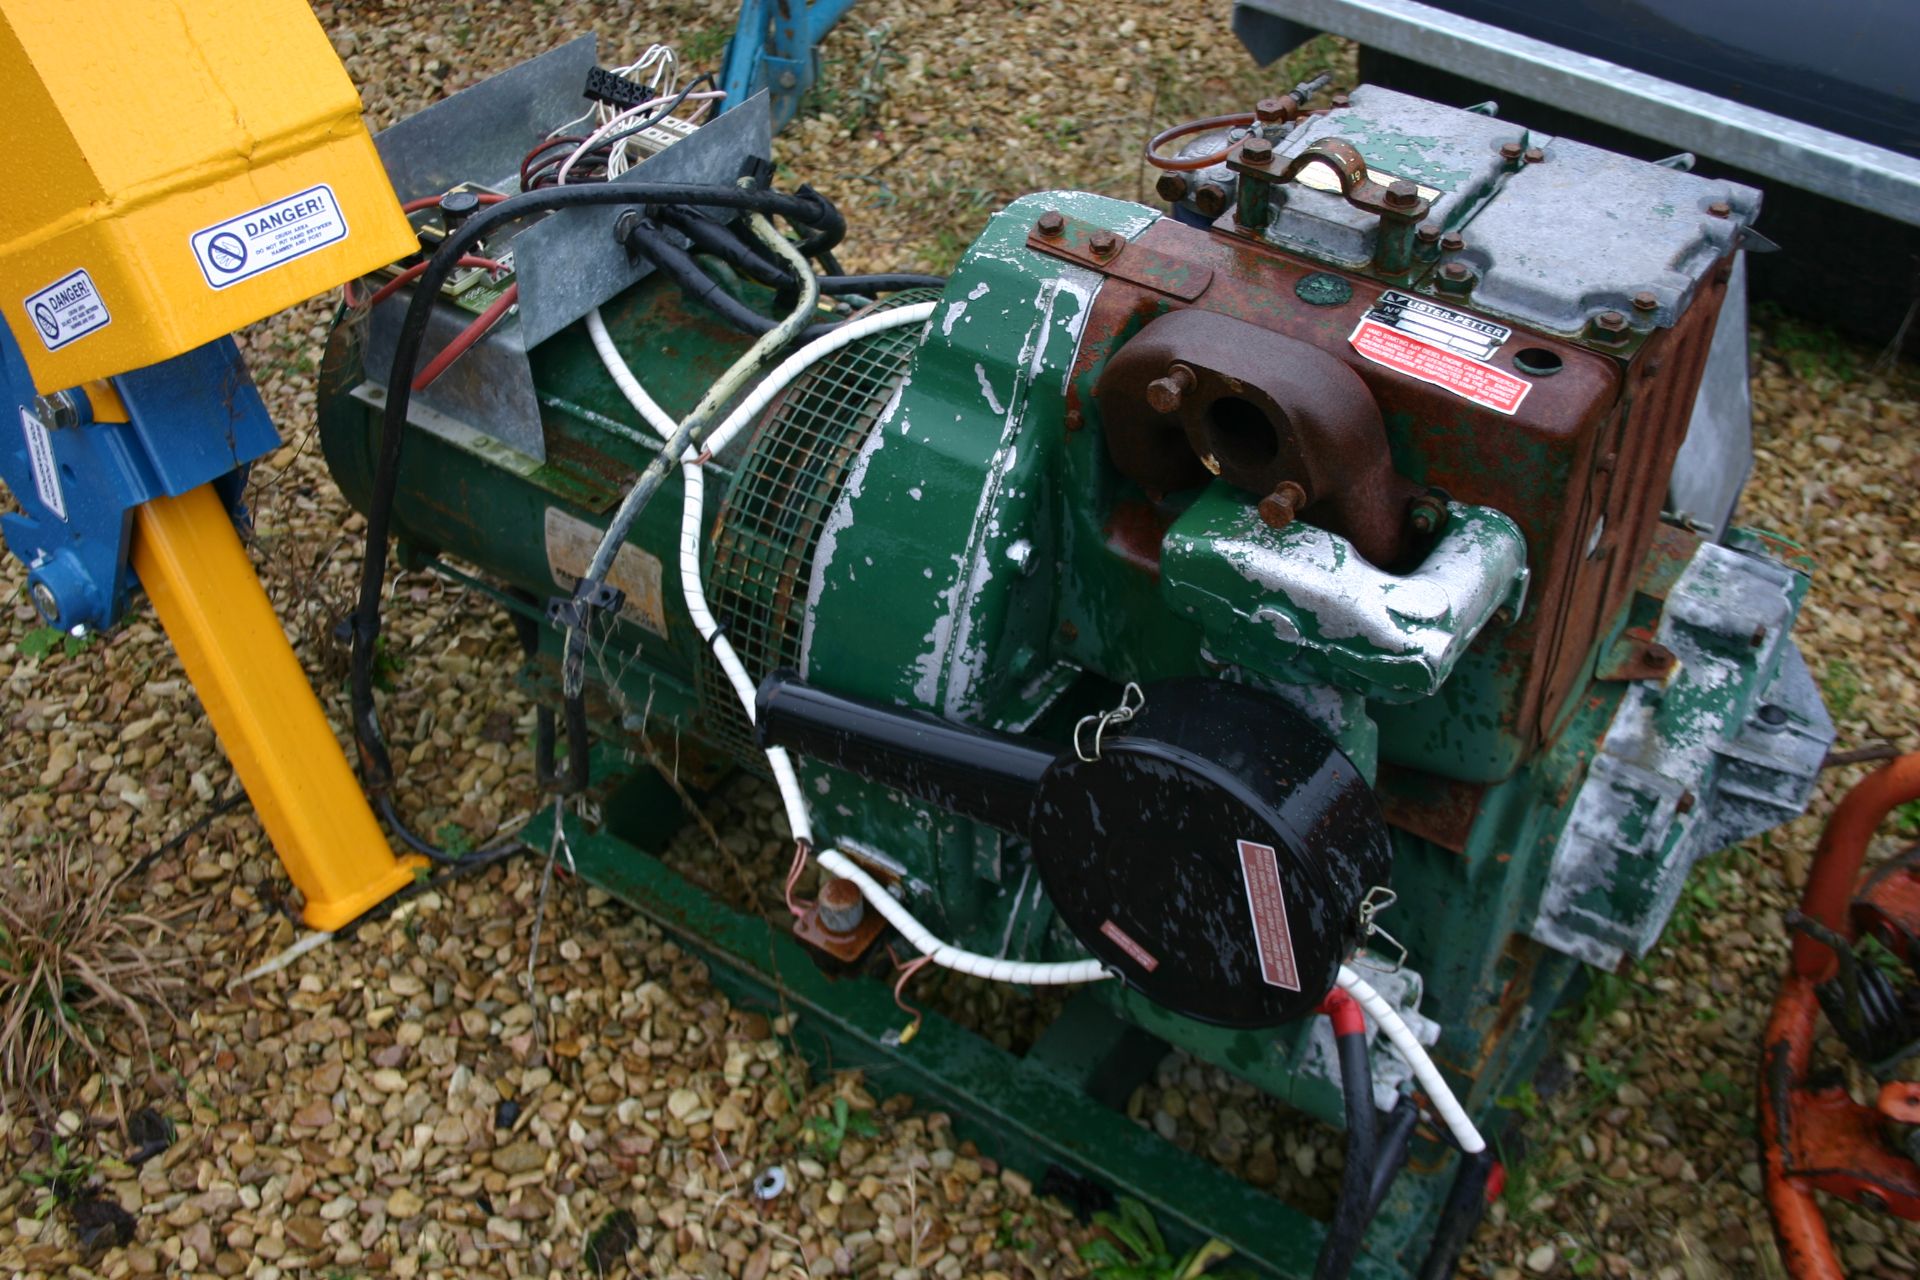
(204, 589)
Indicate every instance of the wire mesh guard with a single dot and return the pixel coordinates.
(770, 522)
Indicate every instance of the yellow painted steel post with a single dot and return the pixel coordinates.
(204, 589)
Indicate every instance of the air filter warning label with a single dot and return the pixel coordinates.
(1267, 902)
(1425, 358)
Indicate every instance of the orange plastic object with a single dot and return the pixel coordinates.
(203, 587)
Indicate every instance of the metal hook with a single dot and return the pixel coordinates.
(1132, 702)
(1378, 899)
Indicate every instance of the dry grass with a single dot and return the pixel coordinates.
(72, 961)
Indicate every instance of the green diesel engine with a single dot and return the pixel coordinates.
(1324, 584)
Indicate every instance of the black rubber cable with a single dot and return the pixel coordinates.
(1466, 1202)
(1395, 1141)
(801, 208)
(1350, 1214)
(677, 265)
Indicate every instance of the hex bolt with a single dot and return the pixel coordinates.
(1685, 803)
(1073, 420)
(1453, 242)
(1166, 393)
(1256, 151)
(1533, 155)
(1427, 233)
(1720, 209)
(840, 905)
(1402, 194)
(46, 602)
(1456, 272)
(1050, 223)
(1645, 301)
(1658, 655)
(1510, 152)
(1171, 187)
(1270, 110)
(1341, 98)
(1610, 322)
(1427, 514)
(1103, 244)
(1210, 199)
(1279, 508)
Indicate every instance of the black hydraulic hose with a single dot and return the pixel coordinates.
(1350, 1214)
(721, 241)
(802, 208)
(886, 282)
(1466, 1201)
(1396, 1139)
(678, 266)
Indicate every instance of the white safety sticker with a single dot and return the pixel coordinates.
(46, 471)
(571, 543)
(67, 309)
(270, 236)
(1267, 901)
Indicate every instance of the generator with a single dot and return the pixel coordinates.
(1317, 595)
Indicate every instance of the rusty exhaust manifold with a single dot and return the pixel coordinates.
(1196, 395)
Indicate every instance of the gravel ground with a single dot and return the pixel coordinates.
(402, 1104)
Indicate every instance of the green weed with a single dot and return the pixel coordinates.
(1134, 1249)
(826, 1134)
(41, 641)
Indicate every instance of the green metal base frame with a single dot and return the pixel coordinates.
(1050, 1110)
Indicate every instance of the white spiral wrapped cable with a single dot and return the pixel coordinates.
(1395, 1028)
(922, 940)
(692, 518)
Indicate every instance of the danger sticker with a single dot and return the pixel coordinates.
(271, 236)
(46, 471)
(1419, 358)
(1135, 952)
(1267, 903)
(66, 310)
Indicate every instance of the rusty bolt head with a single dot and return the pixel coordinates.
(1510, 151)
(1166, 393)
(1051, 223)
(1685, 803)
(1171, 187)
(1758, 638)
(1533, 155)
(1453, 242)
(1256, 151)
(1341, 98)
(1103, 244)
(1427, 233)
(840, 906)
(1271, 110)
(1210, 199)
(1073, 420)
(1279, 508)
(1720, 209)
(1457, 272)
(1658, 655)
(1645, 301)
(1069, 632)
(1427, 514)
(1402, 194)
(1610, 322)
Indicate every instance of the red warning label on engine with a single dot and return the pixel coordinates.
(1473, 379)
(1137, 953)
(1267, 901)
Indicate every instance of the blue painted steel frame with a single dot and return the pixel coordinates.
(194, 419)
(774, 47)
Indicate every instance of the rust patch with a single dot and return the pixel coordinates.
(1438, 810)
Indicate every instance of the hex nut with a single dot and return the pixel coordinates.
(1510, 151)
(1103, 244)
(1427, 233)
(1051, 223)
(1611, 322)
(1533, 155)
(1210, 199)
(1256, 151)
(1270, 110)
(1645, 301)
(1453, 242)
(1171, 187)
(1720, 209)
(1458, 272)
(1402, 194)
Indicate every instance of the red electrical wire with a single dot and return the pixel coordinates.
(1190, 163)
(468, 336)
(412, 273)
(430, 202)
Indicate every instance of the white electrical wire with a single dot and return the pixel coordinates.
(952, 957)
(1395, 1028)
(692, 517)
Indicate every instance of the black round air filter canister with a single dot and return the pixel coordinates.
(1215, 854)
